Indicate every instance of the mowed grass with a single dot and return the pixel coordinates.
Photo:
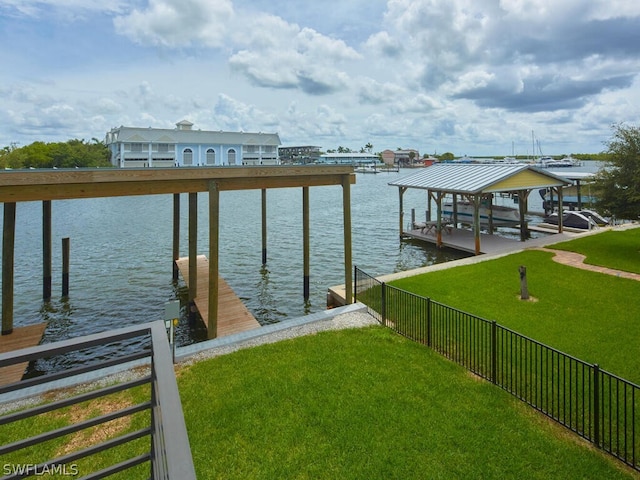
(591, 316)
(367, 404)
(614, 249)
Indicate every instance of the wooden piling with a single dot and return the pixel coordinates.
(305, 235)
(348, 261)
(46, 250)
(214, 252)
(66, 251)
(176, 235)
(8, 244)
(264, 226)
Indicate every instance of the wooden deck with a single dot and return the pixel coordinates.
(21, 337)
(464, 240)
(233, 315)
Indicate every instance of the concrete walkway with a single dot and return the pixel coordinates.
(576, 260)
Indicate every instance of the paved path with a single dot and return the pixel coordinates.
(573, 259)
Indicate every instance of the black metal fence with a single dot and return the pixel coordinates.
(159, 417)
(597, 405)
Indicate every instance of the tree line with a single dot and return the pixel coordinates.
(70, 154)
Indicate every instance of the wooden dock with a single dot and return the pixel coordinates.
(21, 337)
(464, 240)
(233, 315)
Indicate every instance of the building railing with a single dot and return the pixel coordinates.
(598, 406)
(167, 452)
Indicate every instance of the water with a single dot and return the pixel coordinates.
(121, 251)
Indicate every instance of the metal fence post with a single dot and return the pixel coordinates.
(596, 404)
(494, 351)
(355, 284)
(429, 321)
(383, 303)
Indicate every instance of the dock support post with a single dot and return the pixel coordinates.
(476, 222)
(346, 214)
(560, 212)
(66, 252)
(305, 235)
(176, 234)
(401, 191)
(523, 206)
(193, 251)
(46, 250)
(264, 226)
(214, 243)
(8, 243)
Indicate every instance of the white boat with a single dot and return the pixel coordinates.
(501, 215)
(583, 219)
(369, 168)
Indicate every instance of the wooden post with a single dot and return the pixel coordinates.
(560, 212)
(193, 246)
(524, 290)
(305, 235)
(66, 250)
(401, 191)
(176, 234)
(346, 214)
(439, 197)
(46, 250)
(8, 243)
(214, 245)
(476, 223)
(264, 226)
(523, 206)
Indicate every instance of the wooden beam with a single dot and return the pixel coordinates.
(93, 183)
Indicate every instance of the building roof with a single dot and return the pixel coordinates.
(475, 179)
(167, 135)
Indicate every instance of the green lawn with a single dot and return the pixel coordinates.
(367, 404)
(591, 316)
(613, 249)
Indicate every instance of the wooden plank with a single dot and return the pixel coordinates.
(233, 315)
(21, 337)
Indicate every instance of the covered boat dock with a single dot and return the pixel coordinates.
(477, 185)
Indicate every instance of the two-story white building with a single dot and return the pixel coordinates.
(186, 147)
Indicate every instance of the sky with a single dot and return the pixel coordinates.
(471, 77)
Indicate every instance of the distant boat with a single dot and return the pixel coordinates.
(501, 215)
(369, 168)
(583, 219)
(566, 162)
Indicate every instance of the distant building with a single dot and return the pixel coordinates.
(350, 158)
(299, 155)
(402, 158)
(185, 147)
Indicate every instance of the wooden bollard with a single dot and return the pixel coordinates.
(524, 290)
(65, 266)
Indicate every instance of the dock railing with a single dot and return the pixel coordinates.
(596, 405)
(157, 436)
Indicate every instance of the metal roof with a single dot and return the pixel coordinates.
(477, 178)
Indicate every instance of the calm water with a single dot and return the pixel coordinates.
(121, 250)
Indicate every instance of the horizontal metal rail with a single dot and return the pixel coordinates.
(165, 425)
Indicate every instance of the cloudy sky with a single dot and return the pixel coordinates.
(474, 77)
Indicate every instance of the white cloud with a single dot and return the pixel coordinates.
(178, 23)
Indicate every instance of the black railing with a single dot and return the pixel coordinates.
(597, 405)
(159, 437)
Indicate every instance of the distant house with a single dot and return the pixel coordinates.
(299, 154)
(402, 158)
(185, 147)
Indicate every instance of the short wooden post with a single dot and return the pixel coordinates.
(524, 290)
(346, 215)
(66, 246)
